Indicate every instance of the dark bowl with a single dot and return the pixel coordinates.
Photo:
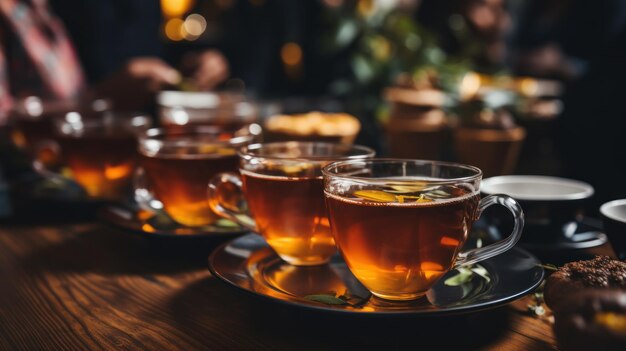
(614, 218)
(550, 204)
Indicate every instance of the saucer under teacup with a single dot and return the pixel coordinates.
(247, 263)
(131, 218)
(553, 209)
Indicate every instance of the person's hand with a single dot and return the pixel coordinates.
(135, 85)
(207, 69)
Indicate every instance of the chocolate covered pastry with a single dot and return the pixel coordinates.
(601, 272)
(589, 303)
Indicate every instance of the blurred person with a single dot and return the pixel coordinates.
(112, 35)
(38, 58)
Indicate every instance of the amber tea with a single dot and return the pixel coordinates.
(177, 167)
(400, 225)
(100, 152)
(397, 244)
(291, 215)
(180, 182)
(101, 164)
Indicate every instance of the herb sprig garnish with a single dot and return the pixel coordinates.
(332, 298)
(466, 273)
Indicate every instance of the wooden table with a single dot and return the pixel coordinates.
(87, 286)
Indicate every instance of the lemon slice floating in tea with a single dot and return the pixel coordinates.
(382, 196)
(375, 195)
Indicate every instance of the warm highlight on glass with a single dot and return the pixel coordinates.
(176, 167)
(401, 225)
(101, 152)
(282, 184)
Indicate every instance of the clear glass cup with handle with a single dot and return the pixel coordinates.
(100, 151)
(401, 225)
(282, 185)
(176, 165)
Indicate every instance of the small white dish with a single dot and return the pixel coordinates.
(537, 188)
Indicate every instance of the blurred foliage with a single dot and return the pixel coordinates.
(382, 41)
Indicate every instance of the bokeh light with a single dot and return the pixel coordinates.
(174, 29)
(176, 8)
(528, 86)
(470, 85)
(194, 26)
(291, 54)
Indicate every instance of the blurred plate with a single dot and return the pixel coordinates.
(249, 264)
(150, 225)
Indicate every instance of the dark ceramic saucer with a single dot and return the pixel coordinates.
(575, 235)
(248, 263)
(150, 225)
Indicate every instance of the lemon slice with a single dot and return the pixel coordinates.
(375, 195)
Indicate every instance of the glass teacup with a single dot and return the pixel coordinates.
(175, 166)
(401, 225)
(282, 184)
(100, 151)
(33, 119)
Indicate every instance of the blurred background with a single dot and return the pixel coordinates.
(515, 87)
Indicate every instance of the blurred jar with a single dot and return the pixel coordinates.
(418, 127)
(488, 137)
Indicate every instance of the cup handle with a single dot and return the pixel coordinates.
(218, 204)
(483, 253)
(143, 195)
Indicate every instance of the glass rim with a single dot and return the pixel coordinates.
(113, 117)
(367, 152)
(56, 107)
(326, 171)
(157, 134)
(125, 122)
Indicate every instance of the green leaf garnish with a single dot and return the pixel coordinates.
(226, 223)
(465, 275)
(482, 272)
(326, 299)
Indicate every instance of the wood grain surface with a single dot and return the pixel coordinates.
(90, 287)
